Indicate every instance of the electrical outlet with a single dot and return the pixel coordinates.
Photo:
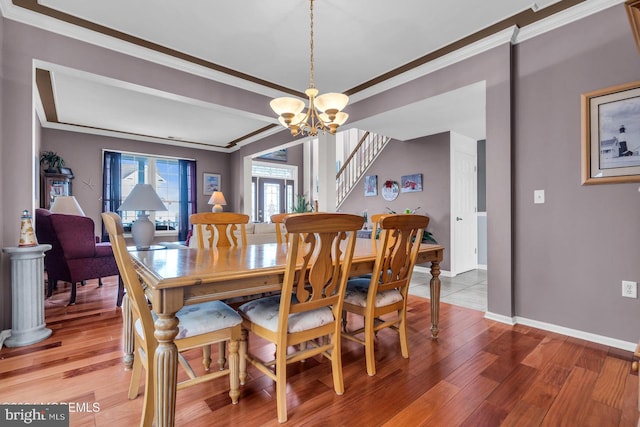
(629, 289)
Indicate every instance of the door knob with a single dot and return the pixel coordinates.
(458, 218)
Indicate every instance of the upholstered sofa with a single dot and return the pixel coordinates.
(261, 232)
(75, 256)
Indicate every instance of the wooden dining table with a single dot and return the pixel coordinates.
(176, 277)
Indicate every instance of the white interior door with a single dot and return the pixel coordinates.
(464, 224)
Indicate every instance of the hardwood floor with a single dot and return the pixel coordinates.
(479, 373)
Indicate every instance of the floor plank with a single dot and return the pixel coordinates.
(479, 372)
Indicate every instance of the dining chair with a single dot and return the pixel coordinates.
(215, 230)
(375, 221)
(199, 325)
(308, 309)
(385, 293)
(219, 229)
(282, 236)
(278, 221)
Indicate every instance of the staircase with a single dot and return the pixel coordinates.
(357, 164)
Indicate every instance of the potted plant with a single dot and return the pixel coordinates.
(51, 161)
(302, 205)
(427, 237)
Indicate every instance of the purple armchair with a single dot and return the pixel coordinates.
(75, 256)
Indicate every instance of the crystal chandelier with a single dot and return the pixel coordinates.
(324, 112)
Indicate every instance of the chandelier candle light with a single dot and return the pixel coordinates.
(330, 106)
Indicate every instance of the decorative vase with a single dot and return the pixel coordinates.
(27, 235)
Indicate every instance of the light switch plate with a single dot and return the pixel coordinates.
(538, 196)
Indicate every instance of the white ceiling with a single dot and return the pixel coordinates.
(267, 40)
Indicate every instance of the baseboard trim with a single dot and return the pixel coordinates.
(500, 318)
(482, 267)
(587, 336)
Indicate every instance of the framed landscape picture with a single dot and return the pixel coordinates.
(211, 183)
(411, 183)
(370, 185)
(611, 134)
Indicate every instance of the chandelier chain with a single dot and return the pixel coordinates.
(324, 112)
(311, 70)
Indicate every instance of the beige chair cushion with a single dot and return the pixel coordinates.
(357, 290)
(201, 318)
(264, 312)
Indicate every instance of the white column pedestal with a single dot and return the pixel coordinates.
(27, 295)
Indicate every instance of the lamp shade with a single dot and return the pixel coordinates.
(286, 105)
(66, 205)
(217, 200)
(331, 101)
(142, 198)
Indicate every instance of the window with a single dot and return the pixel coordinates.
(162, 174)
(173, 179)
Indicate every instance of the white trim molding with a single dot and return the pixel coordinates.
(575, 333)
(500, 318)
(575, 13)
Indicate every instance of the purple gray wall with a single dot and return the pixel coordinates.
(572, 252)
(20, 149)
(560, 263)
(5, 292)
(18, 159)
(493, 67)
(83, 155)
(429, 156)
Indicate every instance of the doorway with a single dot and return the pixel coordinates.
(273, 189)
(464, 202)
(272, 196)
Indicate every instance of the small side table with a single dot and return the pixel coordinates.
(27, 295)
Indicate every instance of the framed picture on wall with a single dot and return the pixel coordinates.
(370, 185)
(411, 183)
(633, 11)
(611, 134)
(211, 183)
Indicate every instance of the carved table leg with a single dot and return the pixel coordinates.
(166, 369)
(243, 352)
(435, 298)
(128, 339)
(234, 389)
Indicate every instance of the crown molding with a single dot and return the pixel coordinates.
(507, 35)
(46, 23)
(513, 35)
(565, 17)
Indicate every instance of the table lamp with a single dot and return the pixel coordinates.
(66, 205)
(217, 200)
(142, 198)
